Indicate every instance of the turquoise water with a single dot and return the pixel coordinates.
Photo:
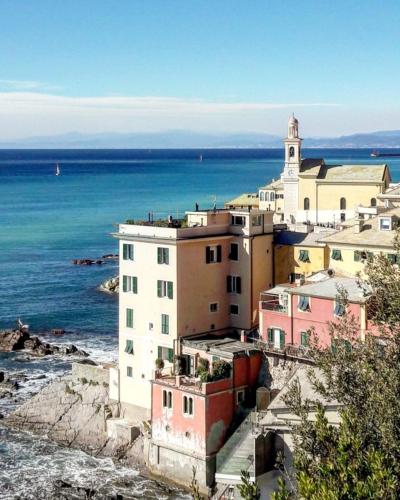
(46, 221)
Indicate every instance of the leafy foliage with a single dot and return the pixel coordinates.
(248, 489)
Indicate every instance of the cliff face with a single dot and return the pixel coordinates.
(74, 413)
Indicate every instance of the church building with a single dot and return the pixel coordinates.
(310, 191)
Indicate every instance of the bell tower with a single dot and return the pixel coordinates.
(291, 170)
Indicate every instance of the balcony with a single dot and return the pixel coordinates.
(289, 350)
(273, 303)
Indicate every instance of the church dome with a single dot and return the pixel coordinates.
(293, 120)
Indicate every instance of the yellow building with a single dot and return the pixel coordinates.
(311, 191)
(298, 255)
(186, 281)
(350, 248)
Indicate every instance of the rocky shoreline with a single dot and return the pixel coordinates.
(110, 286)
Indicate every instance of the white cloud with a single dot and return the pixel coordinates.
(26, 113)
(26, 85)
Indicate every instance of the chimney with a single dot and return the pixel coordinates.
(359, 225)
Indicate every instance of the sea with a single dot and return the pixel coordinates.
(46, 221)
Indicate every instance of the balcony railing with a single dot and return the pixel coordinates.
(292, 350)
(274, 305)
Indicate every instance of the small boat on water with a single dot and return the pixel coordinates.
(376, 154)
(58, 170)
(201, 158)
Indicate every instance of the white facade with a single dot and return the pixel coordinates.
(290, 174)
(177, 282)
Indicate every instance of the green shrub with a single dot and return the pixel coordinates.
(159, 363)
(221, 369)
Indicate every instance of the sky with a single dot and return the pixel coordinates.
(95, 66)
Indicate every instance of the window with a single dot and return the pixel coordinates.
(360, 255)
(342, 203)
(127, 251)
(291, 151)
(129, 371)
(272, 196)
(304, 303)
(261, 195)
(306, 203)
(239, 397)
(304, 338)
(129, 284)
(165, 289)
(165, 324)
(162, 255)
(234, 252)
(238, 220)
(166, 354)
(336, 254)
(129, 347)
(393, 258)
(233, 284)
(384, 224)
(187, 405)
(267, 196)
(304, 256)
(342, 217)
(214, 307)
(270, 335)
(373, 202)
(276, 337)
(213, 254)
(234, 309)
(256, 220)
(339, 308)
(167, 399)
(129, 318)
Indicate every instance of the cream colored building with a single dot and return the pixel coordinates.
(350, 248)
(311, 191)
(184, 281)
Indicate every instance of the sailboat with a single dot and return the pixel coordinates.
(58, 171)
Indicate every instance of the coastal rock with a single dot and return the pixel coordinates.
(74, 413)
(15, 340)
(111, 285)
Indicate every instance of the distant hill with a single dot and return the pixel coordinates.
(187, 139)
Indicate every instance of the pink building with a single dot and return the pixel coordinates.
(288, 312)
(190, 419)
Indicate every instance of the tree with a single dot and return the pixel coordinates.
(248, 489)
(360, 457)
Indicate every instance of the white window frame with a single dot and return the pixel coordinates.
(238, 220)
(256, 220)
(385, 220)
(309, 303)
(168, 397)
(187, 415)
(213, 254)
(238, 308)
(211, 304)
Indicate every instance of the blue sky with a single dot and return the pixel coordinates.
(223, 65)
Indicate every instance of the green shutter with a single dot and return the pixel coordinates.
(159, 350)
(129, 318)
(170, 290)
(125, 251)
(392, 258)
(159, 288)
(134, 284)
(304, 339)
(170, 355)
(166, 255)
(165, 324)
(270, 335)
(282, 338)
(159, 255)
(357, 256)
(124, 283)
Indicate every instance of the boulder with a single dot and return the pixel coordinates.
(111, 285)
(13, 340)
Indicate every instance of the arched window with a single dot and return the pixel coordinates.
(261, 195)
(272, 197)
(266, 196)
(306, 203)
(373, 202)
(291, 151)
(342, 203)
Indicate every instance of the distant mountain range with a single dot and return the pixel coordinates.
(183, 139)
